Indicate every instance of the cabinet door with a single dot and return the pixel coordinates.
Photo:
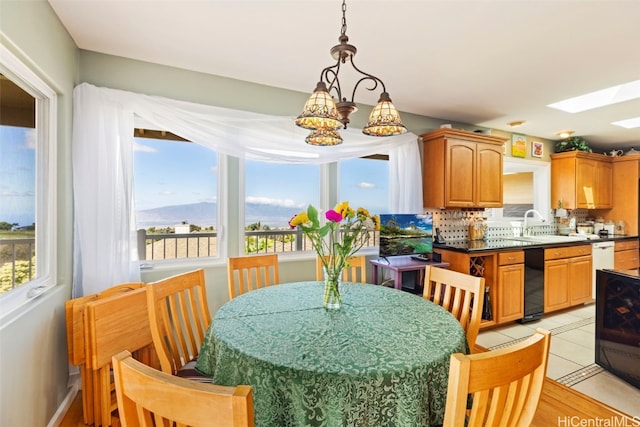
(489, 176)
(460, 173)
(556, 285)
(604, 194)
(586, 173)
(580, 272)
(510, 293)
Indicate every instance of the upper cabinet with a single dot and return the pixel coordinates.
(581, 180)
(462, 169)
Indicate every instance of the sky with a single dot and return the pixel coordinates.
(17, 175)
(170, 173)
(173, 173)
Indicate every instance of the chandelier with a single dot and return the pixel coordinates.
(323, 116)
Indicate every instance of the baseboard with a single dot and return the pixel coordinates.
(57, 418)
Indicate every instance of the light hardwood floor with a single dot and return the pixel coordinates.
(559, 406)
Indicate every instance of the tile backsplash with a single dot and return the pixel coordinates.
(453, 224)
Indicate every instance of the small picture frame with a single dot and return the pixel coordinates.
(518, 145)
(537, 149)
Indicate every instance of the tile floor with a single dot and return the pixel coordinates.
(572, 356)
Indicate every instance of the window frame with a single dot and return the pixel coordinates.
(541, 186)
(46, 111)
(145, 130)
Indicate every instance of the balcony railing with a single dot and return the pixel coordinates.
(205, 244)
(17, 264)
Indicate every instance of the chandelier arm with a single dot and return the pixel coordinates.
(330, 76)
(368, 76)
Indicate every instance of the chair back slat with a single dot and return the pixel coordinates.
(179, 317)
(249, 273)
(355, 271)
(460, 294)
(505, 384)
(148, 397)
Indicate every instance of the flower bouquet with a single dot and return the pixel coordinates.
(335, 241)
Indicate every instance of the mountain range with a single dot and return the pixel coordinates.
(204, 214)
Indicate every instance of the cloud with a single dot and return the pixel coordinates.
(366, 185)
(167, 193)
(288, 203)
(143, 148)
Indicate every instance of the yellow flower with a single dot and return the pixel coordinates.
(298, 219)
(342, 208)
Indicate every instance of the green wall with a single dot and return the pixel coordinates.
(34, 368)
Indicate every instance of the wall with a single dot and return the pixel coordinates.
(34, 369)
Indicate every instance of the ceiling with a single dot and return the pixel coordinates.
(483, 62)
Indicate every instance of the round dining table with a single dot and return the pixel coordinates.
(382, 359)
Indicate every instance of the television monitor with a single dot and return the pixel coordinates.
(405, 234)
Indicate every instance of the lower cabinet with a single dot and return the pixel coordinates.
(626, 255)
(510, 304)
(504, 279)
(567, 277)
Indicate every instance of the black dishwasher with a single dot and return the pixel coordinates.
(533, 284)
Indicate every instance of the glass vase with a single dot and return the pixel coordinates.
(332, 299)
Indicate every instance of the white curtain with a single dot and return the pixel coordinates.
(103, 123)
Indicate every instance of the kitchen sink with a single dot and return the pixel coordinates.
(548, 238)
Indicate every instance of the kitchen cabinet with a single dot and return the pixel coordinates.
(567, 276)
(626, 194)
(625, 256)
(462, 169)
(503, 273)
(581, 180)
(510, 295)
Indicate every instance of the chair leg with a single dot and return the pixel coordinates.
(105, 396)
(87, 394)
(96, 397)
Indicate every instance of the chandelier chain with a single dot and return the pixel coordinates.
(343, 31)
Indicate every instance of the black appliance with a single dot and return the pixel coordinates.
(618, 323)
(533, 284)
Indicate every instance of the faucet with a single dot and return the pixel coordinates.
(526, 231)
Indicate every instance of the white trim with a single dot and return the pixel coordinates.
(46, 178)
(541, 184)
(62, 410)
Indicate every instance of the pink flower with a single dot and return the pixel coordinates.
(333, 216)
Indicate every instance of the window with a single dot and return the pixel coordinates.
(526, 185)
(27, 184)
(176, 195)
(364, 182)
(273, 194)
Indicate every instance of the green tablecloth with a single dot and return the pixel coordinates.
(381, 360)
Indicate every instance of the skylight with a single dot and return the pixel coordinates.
(628, 123)
(599, 98)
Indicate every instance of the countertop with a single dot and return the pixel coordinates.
(506, 244)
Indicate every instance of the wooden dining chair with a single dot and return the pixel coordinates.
(77, 344)
(460, 294)
(119, 322)
(504, 384)
(249, 273)
(148, 397)
(355, 271)
(179, 318)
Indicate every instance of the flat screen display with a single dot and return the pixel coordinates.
(405, 234)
